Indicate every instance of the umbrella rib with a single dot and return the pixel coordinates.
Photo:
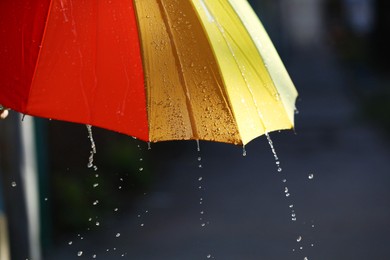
(180, 68)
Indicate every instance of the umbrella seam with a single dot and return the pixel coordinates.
(181, 77)
(221, 88)
(148, 99)
(38, 59)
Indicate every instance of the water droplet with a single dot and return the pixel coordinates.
(93, 256)
(93, 148)
(116, 209)
(208, 256)
(46, 199)
(200, 178)
(13, 184)
(142, 225)
(141, 169)
(285, 189)
(70, 242)
(203, 224)
(95, 185)
(197, 145)
(311, 176)
(284, 180)
(299, 239)
(291, 206)
(243, 151)
(95, 202)
(287, 194)
(305, 258)
(79, 253)
(97, 223)
(118, 235)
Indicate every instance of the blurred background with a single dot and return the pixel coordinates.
(331, 200)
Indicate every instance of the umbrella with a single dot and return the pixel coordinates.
(153, 69)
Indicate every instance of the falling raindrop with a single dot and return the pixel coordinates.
(311, 176)
(243, 151)
(95, 185)
(79, 253)
(93, 256)
(97, 223)
(95, 202)
(70, 242)
(93, 148)
(13, 184)
(118, 235)
(197, 145)
(299, 239)
(305, 258)
(271, 144)
(141, 169)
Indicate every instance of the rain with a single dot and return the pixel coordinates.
(319, 191)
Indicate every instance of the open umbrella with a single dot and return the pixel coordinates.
(154, 69)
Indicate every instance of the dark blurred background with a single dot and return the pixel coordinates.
(174, 202)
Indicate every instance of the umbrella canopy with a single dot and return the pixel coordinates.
(154, 69)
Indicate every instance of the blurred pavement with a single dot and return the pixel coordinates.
(342, 213)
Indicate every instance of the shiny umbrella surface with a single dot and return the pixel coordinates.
(153, 69)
